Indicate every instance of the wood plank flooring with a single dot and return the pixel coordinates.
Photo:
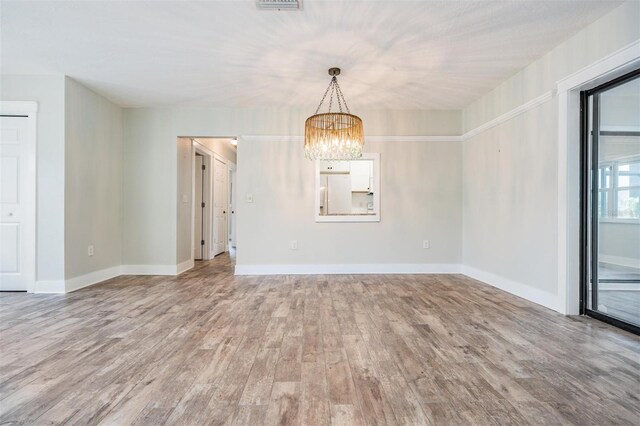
(210, 348)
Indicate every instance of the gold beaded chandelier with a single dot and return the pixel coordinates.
(333, 135)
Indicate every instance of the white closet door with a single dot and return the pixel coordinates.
(15, 265)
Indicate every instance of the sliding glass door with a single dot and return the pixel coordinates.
(611, 202)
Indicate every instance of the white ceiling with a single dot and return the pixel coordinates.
(394, 54)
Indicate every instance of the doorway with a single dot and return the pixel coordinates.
(611, 202)
(202, 197)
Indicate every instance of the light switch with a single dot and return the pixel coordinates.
(185, 198)
(249, 198)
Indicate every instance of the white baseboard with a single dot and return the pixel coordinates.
(51, 286)
(76, 283)
(149, 269)
(532, 294)
(332, 269)
(184, 266)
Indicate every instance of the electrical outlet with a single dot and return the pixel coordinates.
(425, 244)
(90, 251)
(293, 245)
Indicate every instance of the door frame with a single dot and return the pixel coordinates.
(207, 155)
(199, 180)
(567, 91)
(28, 110)
(589, 242)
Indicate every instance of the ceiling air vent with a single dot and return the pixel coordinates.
(279, 4)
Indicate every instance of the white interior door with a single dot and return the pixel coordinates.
(219, 206)
(198, 237)
(16, 262)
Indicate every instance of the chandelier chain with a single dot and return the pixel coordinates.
(331, 94)
(340, 95)
(324, 96)
(334, 87)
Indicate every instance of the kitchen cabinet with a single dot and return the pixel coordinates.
(335, 166)
(361, 175)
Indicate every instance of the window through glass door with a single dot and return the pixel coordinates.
(611, 187)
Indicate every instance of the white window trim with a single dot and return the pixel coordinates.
(375, 217)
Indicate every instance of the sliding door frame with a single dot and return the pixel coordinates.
(588, 241)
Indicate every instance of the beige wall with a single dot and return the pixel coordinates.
(420, 199)
(510, 196)
(93, 181)
(151, 162)
(149, 194)
(510, 203)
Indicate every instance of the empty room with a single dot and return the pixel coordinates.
(320, 212)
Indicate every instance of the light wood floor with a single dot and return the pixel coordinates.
(209, 348)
